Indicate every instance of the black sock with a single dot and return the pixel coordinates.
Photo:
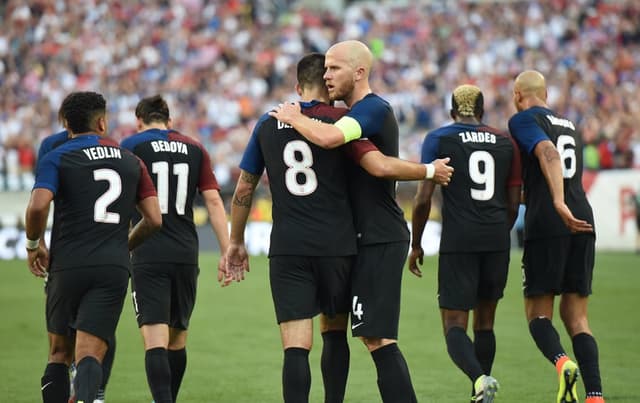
(107, 363)
(546, 338)
(586, 351)
(177, 364)
(484, 344)
(394, 381)
(156, 363)
(55, 383)
(335, 365)
(296, 375)
(88, 379)
(461, 351)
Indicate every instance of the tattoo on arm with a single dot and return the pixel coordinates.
(244, 197)
(550, 153)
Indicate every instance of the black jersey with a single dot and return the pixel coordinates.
(475, 204)
(528, 128)
(179, 166)
(311, 211)
(377, 215)
(96, 187)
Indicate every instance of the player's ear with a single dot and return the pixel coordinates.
(101, 124)
(298, 89)
(452, 113)
(169, 124)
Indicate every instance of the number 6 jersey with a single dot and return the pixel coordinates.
(96, 186)
(179, 166)
(528, 128)
(474, 209)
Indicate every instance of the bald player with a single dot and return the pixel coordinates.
(478, 210)
(559, 248)
(383, 236)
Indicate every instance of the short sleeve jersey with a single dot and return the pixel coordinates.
(51, 142)
(311, 212)
(529, 128)
(474, 208)
(96, 187)
(179, 166)
(377, 215)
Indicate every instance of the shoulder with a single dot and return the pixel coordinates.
(372, 102)
(323, 111)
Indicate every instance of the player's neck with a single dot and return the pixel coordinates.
(357, 95)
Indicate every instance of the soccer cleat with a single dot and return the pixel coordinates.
(98, 401)
(486, 388)
(72, 378)
(568, 379)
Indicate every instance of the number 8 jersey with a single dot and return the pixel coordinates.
(96, 186)
(474, 208)
(528, 128)
(179, 166)
(311, 211)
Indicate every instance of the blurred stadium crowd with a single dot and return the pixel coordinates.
(221, 64)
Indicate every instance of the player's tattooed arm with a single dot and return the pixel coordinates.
(243, 196)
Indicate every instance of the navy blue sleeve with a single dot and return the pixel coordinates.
(526, 131)
(430, 147)
(50, 142)
(370, 113)
(252, 159)
(47, 172)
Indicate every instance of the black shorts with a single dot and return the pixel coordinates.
(164, 293)
(303, 286)
(466, 278)
(558, 265)
(87, 298)
(376, 284)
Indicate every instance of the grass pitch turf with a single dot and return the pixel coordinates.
(234, 352)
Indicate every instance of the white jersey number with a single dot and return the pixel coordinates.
(181, 170)
(567, 148)
(299, 167)
(485, 177)
(100, 213)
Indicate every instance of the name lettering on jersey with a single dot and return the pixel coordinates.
(477, 137)
(282, 125)
(169, 147)
(100, 153)
(561, 122)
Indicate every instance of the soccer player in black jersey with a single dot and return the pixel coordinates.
(383, 236)
(478, 210)
(48, 144)
(96, 187)
(559, 248)
(311, 217)
(165, 268)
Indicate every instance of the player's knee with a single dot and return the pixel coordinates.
(337, 323)
(374, 343)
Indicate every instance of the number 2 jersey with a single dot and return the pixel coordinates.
(179, 166)
(96, 186)
(311, 210)
(528, 128)
(474, 209)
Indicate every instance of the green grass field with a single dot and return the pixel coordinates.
(235, 354)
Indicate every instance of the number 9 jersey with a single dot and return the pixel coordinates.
(529, 128)
(474, 209)
(179, 166)
(96, 186)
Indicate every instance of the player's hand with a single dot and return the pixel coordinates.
(416, 256)
(443, 172)
(237, 261)
(286, 112)
(38, 261)
(575, 225)
(224, 275)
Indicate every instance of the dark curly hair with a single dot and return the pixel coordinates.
(81, 110)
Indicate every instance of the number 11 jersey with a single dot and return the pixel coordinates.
(179, 166)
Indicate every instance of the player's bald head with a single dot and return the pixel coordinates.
(531, 82)
(355, 53)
